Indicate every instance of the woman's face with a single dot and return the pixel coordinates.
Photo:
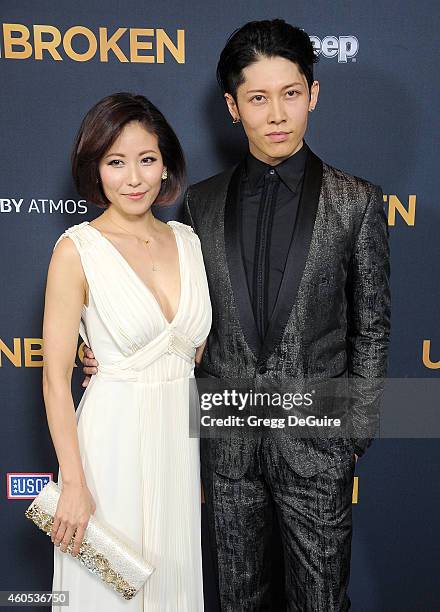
(131, 170)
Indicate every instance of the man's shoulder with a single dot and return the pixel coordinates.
(342, 180)
(349, 194)
(213, 185)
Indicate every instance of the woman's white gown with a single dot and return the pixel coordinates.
(141, 466)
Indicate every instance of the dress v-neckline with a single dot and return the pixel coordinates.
(138, 278)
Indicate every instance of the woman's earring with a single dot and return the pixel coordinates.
(236, 120)
(164, 174)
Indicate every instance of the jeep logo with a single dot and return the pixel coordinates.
(343, 47)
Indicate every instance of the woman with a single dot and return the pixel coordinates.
(137, 289)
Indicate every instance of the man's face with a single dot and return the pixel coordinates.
(273, 104)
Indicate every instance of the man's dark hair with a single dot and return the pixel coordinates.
(258, 39)
(101, 127)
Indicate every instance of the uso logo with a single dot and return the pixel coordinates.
(26, 485)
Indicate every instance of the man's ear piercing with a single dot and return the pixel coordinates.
(236, 120)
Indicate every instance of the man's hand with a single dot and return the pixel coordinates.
(90, 365)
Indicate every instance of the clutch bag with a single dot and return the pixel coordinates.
(101, 552)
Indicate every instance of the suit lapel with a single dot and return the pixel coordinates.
(297, 256)
(237, 273)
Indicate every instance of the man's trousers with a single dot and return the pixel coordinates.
(314, 516)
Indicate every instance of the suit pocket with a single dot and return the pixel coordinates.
(343, 374)
(200, 372)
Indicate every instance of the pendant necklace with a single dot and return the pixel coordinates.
(145, 241)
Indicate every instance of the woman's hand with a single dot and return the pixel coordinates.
(90, 365)
(74, 509)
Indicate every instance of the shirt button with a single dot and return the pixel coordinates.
(272, 171)
(262, 369)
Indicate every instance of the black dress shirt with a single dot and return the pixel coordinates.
(269, 204)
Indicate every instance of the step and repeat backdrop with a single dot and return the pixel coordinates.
(377, 117)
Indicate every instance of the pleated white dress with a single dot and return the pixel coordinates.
(141, 466)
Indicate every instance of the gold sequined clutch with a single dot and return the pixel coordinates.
(101, 552)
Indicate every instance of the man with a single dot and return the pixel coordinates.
(296, 254)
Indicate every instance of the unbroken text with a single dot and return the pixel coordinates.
(81, 44)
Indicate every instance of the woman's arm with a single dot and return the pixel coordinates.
(65, 295)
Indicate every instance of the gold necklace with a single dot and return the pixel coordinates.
(143, 240)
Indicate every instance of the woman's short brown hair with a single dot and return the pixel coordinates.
(101, 127)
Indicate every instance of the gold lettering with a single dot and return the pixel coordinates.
(394, 204)
(48, 45)
(107, 44)
(431, 365)
(10, 41)
(67, 42)
(49, 40)
(354, 498)
(163, 40)
(13, 356)
(136, 45)
(30, 352)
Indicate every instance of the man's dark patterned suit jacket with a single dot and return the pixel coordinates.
(331, 317)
